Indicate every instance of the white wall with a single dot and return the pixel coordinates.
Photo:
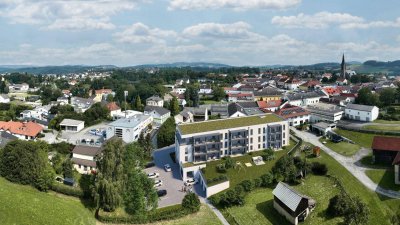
(362, 115)
(217, 188)
(79, 156)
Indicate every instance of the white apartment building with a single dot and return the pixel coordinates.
(361, 112)
(199, 142)
(128, 129)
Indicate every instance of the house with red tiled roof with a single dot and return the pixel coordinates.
(241, 97)
(114, 108)
(331, 91)
(102, 94)
(310, 85)
(271, 105)
(387, 150)
(21, 130)
(341, 81)
(294, 114)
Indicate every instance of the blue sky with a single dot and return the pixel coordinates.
(235, 32)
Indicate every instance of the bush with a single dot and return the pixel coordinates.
(247, 185)
(229, 163)
(233, 197)
(67, 190)
(352, 208)
(319, 168)
(221, 168)
(267, 179)
(214, 180)
(191, 202)
(257, 182)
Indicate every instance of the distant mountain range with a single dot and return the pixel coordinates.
(370, 66)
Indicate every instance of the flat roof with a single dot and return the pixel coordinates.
(213, 125)
(71, 122)
(131, 122)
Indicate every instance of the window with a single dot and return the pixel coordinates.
(251, 140)
(251, 147)
(259, 130)
(283, 141)
(226, 144)
(226, 135)
(264, 130)
(251, 132)
(283, 134)
(259, 139)
(263, 138)
(284, 127)
(259, 146)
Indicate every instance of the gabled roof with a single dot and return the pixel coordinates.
(160, 110)
(386, 143)
(103, 91)
(366, 108)
(288, 196)
(86, 150)
(299, 96)
(154, 98)
(269, 104)
(31, 129)
(290, 111)
(311, 83)
(268, 91)
(71, 122)
(112, 106)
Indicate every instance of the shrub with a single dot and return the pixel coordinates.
(67, 190)
(267, 179)
(191, 202)
(319, 168)
(221, 168)
(257, 182)
(247, 185)
(352, 208)
(229, 163)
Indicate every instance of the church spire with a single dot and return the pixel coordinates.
(343, 68)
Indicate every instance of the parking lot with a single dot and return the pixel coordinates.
(85, 134)
(171, 180)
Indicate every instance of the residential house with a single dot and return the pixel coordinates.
(4, 98)
(322, 112)
(199, 142)
(38, 113)
(101, 95)
(341, 81)
(155, 101)
(241, 97)
(239, 109)
(303, 99)
(294, 206)
(295, 115)
(84, 158)
(205, 90)
(386, 150)
(70, 125)
(292, 84)
(336, 100)
(199, 113)
(22, 88)
(267, 94)
(129, 129)
(113, 108)
(331, 91)
(62, 100)
(271, 105)
(220, 110)
(22, 130)
(361, 112)
(351, 96)
(81, 104)
(184, 117)
(159, 114)
(181, 82)
(310, 85)
(179, 91)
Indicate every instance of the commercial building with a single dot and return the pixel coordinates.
(322, 112)
(197, 143)
(129, 129)
(361, 112)
(70, 125)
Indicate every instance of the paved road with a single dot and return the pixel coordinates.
(350, 163)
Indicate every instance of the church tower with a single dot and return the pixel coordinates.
(343, 68)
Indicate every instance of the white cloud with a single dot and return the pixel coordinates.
(316, 21)
(372, 24)
(232, 4)
(141, 33)
(65, 14)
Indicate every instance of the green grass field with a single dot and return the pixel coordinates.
(384, 178)
(362, 139)
(382, 127)
(386, 122)
(259, 210)
(25, 205)
(343, 148)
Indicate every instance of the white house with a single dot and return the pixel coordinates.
(159, 114)
(323, 112)
(62, 100)
(69, 125)
(81, 104)
(361, 112)
(39, 113)
(129, 129)
(114, 109)
(22, 130)
(303, 99)
(4, 98)
(295, 115)
(84, 158)
(155, 101)
(179, 91)
(24, 87)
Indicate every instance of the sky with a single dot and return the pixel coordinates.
(234, 32)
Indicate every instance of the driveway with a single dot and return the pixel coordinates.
(350, 163)
(172, 181)
(75, 138)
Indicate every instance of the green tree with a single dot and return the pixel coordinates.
(138, 104)
(285, 169)
(110, 98)
(358, 212)
(110, 176)
(366, 97)
(174, 106)
(148, 146)
(166, 133)
(387, 96)
(191, 202)
(68, 168)
(218, 93)
(133, 156)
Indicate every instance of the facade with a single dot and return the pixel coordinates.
(114, 109)
(155, 101)
(39, 113)
(102, 94)
(22, 88)
(294, 115)
(81, 104)
(267, 94)
(241, 97)
(21, 130)
(70, 125)
(197, 143)
(322, 112)
(84, 158)
(361, 112)
(271, 105)
(294, 206)
(129, 129)
(159, 114)
(303, 99)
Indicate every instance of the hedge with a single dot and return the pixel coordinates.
(167, 213)
(66, 190)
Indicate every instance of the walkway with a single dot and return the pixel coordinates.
(349, 163)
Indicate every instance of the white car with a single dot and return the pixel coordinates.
(190, 182)
(157, 183)
(167, 167)
(153, 175)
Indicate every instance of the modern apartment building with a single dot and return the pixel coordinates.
(197, 143)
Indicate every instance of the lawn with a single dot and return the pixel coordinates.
(381, 127)
(384, 178)
(259, 210)
(25, 205)
(343, 148)
(207, 102)
(367, 161)
(241, 172)
(362, 139)
(386, 122)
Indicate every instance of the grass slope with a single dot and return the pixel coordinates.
(25, 205)
(382, 127)
(384, 178)
(362, 139)
(343, 148)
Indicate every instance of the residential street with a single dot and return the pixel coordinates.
(350, 163)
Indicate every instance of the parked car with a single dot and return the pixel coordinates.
(150, 164)
(167, 167)
(162, 193)
(153, 175)
(59, 179)
(157, 183)
(190, 182)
